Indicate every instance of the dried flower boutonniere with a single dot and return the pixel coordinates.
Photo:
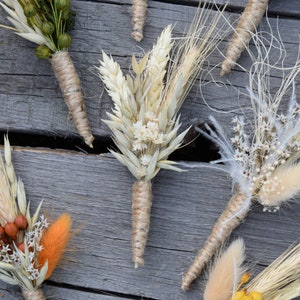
(30, 247)
(46, 23)
(250, 19)
(228, 279)
(262, 158)
(144, 122)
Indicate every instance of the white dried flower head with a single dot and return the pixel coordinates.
(265, 164)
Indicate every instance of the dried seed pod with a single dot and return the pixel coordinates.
(21, 221)
(21, 247)
(11, 229)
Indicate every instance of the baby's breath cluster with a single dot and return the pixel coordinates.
(265, 163)
(44, 22)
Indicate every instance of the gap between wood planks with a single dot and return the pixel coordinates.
(94, 291)
(195, 147)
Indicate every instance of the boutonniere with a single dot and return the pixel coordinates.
(144, 120)
(46, 23)
(30, 246)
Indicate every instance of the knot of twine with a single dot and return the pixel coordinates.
(141, 209)
(33, 295)
(69, 84)
(139, 10)
(231, 217)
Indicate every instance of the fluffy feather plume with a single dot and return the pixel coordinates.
(248, 22)
(281, 279)
(54, 242)
(144, 122)
(261, 164)
(226, 272)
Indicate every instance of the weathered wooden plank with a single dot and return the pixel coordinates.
(32, 100)
(8, 292)
(96, 190)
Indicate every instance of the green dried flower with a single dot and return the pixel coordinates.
(62, 4)
(42, 51)
(30, 10)
(64, 40)
(48, 27)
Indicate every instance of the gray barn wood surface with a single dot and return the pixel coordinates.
(96, 189)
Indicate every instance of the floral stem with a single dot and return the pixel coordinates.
(33, 295)
(231, 217)
(141, 208)
(70, 86)
(139, 10)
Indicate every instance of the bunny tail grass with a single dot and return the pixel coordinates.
(248, 22)
(139, 11)
(141, 208)
(225, 272)
(70, 86)
(33, 295)
(231, 217)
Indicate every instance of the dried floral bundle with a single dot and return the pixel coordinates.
(144, 121)
(30, 248)
(139, 11)
(250, 19)
(46, 23)
(228, 279)
(262, 158)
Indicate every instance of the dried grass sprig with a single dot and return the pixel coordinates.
(144, 120)
(139, 11)
(249, 20)
(46, 23)
(264, 165)
(226, 272)
(26, 259)
(228, 279)
(281, 279)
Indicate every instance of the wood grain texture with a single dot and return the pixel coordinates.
(31, 98)
(185, 206)
(96, 189)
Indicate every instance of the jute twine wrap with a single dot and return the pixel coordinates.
(139, 10)
(70, 86)
(33, 295)
(248, 22)
(231, 217)
(141, 210)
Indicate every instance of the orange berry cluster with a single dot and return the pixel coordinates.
(9, 232)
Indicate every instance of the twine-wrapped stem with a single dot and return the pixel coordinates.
(33, 295)
(231, 217)
(69, 83)
(139, 11)
(141, 211)
(248, 22)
